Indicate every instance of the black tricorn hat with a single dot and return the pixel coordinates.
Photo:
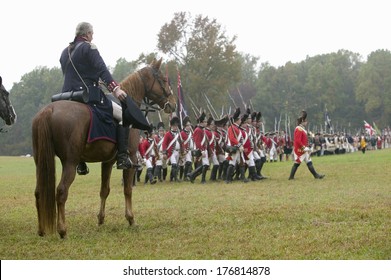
(160, 125)
(244, 117)
(236, 115)
(222, 122)
(185, 121)
(201, 118)
(259, 116)
(132, 115)
(210, 120)
(175, 121)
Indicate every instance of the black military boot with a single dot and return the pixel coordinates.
(213, 173)
(237, 172)
(230, 171)
(224, 171)
(174, 173)
(312, 170)
(181, 171)
(123, 160)
(193, 175)
(253, 174)
(293, 170)
(158, 172)
(82, 168)
(149, 176)
(187, 170)
(204, 170)
(243, 174)
(220, 171)
(259, 165)
(139, 171)
(164, 174)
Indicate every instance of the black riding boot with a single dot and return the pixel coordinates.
(193, 175)
(243, 175)
(237, 172)
(229, 174)
(204, 169)
(312, 170)
(123, 160)
(82, 168)
(174, 173)
(187, 170)
(164, 174)
(220, 171)
(293, 171)
(213, 173)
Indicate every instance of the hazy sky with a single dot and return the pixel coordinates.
(33, 33)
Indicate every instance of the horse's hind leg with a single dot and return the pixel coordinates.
(67, 178)
(128, 176)
(104, 190)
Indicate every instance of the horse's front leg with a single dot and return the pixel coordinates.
(128, 176)
(67, 178)
(106, 169)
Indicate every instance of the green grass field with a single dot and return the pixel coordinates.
(345, 216)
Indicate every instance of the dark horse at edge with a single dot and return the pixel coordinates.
(60, 129)
(7, 112)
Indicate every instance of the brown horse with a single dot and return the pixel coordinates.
(61, 129)
(7, 112)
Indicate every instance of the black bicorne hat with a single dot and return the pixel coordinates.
(222, 122)
(244, 117)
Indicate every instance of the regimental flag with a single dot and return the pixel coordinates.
(181, 108)
(378, 131)
(369, 129)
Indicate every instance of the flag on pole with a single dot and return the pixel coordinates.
(369, 129)
(182, 110)
(377, 129)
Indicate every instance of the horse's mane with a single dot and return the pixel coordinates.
(134, 86)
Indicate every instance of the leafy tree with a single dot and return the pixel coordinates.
(31, 94)
(205, 56)
(374, 87)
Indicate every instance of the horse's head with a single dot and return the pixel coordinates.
(7, 112)
(157, 88)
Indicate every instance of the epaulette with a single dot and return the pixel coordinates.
(93, 46)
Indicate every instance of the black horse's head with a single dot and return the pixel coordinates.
(7, 112)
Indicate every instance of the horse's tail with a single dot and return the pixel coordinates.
(43, 150)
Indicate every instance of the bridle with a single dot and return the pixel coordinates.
(147, 101)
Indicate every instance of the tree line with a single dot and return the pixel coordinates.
(350, 88)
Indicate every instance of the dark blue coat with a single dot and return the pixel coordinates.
(88, 63)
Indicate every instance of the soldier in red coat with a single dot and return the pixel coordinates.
(212, 143)
(147, 153)
(161, 164)
(187, 146)
(171, 147)
(201, 160)
(235, 147)
(301, 150)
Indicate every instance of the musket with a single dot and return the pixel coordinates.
(195, 106)
(233, 101)
(211, 106)
(160, 117)
(241, 97)
(252, 106)
(222, 112)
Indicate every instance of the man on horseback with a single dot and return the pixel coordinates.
(83, 66)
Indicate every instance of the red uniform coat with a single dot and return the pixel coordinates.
(185, 140)
(198, 136)
(300, 140)
(233, 135)
(144, 146)
(211, 140)
(168, 137)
